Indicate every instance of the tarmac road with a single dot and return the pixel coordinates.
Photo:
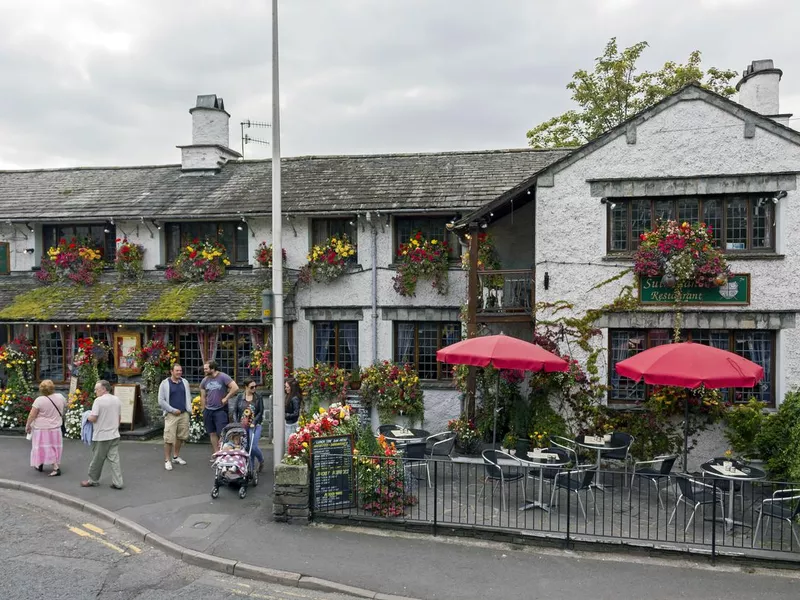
(51, 551)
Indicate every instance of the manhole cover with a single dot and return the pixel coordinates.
(201, 525)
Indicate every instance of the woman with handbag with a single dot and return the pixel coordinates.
(250, 399)
(46, 424)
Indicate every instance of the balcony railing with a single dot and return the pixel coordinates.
(505, 291)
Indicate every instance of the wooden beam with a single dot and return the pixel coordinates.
(472, 310)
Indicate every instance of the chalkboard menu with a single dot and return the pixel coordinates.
(332, 462)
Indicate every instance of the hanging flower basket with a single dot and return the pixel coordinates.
(199, 261)
(328, 261)
(488, 259)
(263, 255)
(75, 261)
(421, 258)
(683, 255)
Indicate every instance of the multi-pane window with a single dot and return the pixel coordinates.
(430, 227)
(324, 229)
(416, 343)
(336, 343)
(231, 234)
(755, 345)
(100, 235)
(51, 349)
(190, 355)
(738, 223)
(233, 346)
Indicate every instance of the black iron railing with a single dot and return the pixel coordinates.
(396, 490)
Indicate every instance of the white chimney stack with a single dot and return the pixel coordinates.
(759, 90)
(210, 136)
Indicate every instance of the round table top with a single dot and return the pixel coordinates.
(604, 446)
(540, 462)
(743, 472)
(416, 435)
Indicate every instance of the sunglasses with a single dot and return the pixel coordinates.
(252, 387)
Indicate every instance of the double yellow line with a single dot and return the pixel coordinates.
(85, 534)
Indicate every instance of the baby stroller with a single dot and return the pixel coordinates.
(233, 463)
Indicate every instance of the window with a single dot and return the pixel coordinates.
(102, 236)
(231, 234)
(738, 223)
(431, 227)
(336, 343)
(324, 229)
(417, 343)
(758, 346)
(51, 353)
(190, 355)
(233, 346)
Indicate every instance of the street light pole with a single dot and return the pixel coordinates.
(278, 413)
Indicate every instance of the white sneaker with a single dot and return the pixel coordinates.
(178, 460)
(168, 466)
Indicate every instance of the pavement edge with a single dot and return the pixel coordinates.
(193, 557)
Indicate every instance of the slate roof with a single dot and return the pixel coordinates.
(236, 299)
(311, 184)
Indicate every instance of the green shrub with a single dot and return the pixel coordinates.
(742, 425)
(777, 442)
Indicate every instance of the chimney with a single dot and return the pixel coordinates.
(759, 90)
(209, 150)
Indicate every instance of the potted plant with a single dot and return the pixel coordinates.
(355, 379)
(468, 438)
(742, 424)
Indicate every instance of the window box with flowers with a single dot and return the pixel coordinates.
(199, 261)
(75, 261)
(422, 258)
(128, 262)
(329, 260)
(394, 390)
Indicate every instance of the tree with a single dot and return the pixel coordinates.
(614, 92)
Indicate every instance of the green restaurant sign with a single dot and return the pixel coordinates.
(735, 292)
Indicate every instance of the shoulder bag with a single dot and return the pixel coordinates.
(63, 424)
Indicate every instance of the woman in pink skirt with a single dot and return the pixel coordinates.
(44, 425)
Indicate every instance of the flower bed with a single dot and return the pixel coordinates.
(77, 403)
(199, 261)
(75, 261)
(328, 261)
(394, 389)
(420, 258)
(197, 429)
(14, 408)
(322, 384)
(17, 360)
(263, 255)
(335, 420)
(128, 262)
(685, 255)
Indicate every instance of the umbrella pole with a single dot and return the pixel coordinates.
(685, 435)
(496, 398)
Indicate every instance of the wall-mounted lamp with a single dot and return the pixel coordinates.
(607, 201)
(528, 192)
(107, 227)
(546, 280)
(156, 224)
(29, 250)
(779, 196)
(111, 220)
(29, 227)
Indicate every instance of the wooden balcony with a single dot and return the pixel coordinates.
(504, 295)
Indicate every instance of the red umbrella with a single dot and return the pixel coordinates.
(690, 365)
(502, 352)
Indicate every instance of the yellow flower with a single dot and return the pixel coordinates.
(434, 242)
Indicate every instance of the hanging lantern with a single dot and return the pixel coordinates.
(669, 280)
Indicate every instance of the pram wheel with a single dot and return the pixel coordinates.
(242, 492)
(254, 481)
(215, 492)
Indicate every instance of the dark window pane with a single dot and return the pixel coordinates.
(431, 228)
(736, 224)
(624, 344)
(712, 217)
(244, 345)
(689, 210)
(173, 237)
(51, 353)
(665, 210)
(324, 342)
(619, 226)
(417, 343)
(240, 252)
(190, 356)
(427, 342)
(756, 346)
(226, 351)
(405, 344)
(659, 337)
(324, 229)
(348, 345)
(226, 233)
(762, 223)
(641, 220)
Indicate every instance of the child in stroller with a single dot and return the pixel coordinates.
(233, 464)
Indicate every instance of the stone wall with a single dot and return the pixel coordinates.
(290, 499)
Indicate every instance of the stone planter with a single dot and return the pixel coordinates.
(290, 500)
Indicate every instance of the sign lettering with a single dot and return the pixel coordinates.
(332, 460)
(735, 292)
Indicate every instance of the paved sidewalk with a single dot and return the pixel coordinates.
(177, 505)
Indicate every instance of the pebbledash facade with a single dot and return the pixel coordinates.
(694, 157)
(378, 201)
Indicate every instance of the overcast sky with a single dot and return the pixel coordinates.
(110, 82)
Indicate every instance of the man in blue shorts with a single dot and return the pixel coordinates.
(215, 391)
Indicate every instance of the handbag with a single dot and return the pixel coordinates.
(63, 425)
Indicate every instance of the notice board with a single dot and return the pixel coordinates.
(128, 393)
(332, 472)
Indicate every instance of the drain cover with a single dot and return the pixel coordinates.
(201, 525)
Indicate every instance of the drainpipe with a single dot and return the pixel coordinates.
(374, 231)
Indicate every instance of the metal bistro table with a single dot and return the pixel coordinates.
(739, 472)
(599, 445)
(406, 436)
(540, 462)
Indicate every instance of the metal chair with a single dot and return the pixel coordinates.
(501, 475)
(566, 444)
(622, 455)
(414, 458)
(575, 481)
(697, 496)
(440, 444)
(784, 505)
(656, 471)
